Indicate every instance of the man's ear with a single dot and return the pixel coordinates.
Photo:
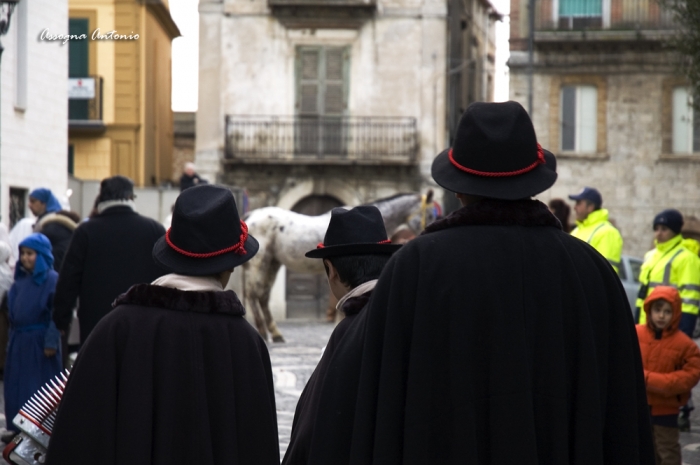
(331, 272)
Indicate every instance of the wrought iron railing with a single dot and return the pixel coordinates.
(321, 138)
(602, 14)
(82, 109)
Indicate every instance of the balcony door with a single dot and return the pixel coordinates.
(321, 101)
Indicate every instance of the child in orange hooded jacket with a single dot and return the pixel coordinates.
(671, 369)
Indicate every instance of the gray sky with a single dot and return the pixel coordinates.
(186, 58)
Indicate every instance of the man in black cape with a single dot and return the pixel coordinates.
(175, 374)
(355, 249)
(494, 337)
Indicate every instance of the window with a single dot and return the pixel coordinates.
(578, 14)
(579, 119)
(18, 205)
(321, 99)
(686, 123)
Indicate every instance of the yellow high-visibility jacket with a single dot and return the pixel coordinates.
(671, 264)
(602, 235)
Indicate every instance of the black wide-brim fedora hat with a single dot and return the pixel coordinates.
(207, 236)
(359, 231)
(495, 154)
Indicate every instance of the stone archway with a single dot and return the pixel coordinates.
(307, 294)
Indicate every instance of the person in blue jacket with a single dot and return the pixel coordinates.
(34, 350)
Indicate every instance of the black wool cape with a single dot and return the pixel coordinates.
(169, 377)
(307, 408)
(493, 338)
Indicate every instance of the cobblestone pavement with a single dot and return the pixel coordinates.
(292, 365)
(294, 361)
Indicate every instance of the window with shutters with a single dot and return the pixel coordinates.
(686, 123)
(579, 120)
(321, 100)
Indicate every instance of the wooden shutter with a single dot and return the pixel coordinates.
(309, 81)
(78, 56)
(568, 118)
(334, 97)
(696, 130)
(682, 120)
(587, 119)
(78, 49)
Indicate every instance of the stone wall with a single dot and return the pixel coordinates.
(634, 172)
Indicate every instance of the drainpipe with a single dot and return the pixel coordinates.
(530, 54)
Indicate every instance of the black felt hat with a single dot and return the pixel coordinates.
(358, 231)
(495, 154)
(207, 236)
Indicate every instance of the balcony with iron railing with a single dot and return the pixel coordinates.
(323, 14)
(321, 140)
(85, 104)
(603, 19)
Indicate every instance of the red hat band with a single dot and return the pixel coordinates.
(237, 248)
(540, 161)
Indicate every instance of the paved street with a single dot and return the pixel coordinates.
(294, 361)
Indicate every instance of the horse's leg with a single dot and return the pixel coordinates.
(251, 289)
(273, 269)
(259, 322)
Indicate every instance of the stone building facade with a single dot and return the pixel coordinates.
(34, 118)
(309, 104)
(379, 120)
(609, 102)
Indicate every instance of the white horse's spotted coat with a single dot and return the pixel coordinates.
(285, 237)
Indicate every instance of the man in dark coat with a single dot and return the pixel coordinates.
(107, 255)
(355, 249)
(53, 222)
(190, 178)
(494, 337)
(175, 374)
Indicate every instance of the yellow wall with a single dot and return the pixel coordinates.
(136, 96)
(92, 158)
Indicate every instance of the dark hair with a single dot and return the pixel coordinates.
(116, 188)
(354, 270)
(562, 212)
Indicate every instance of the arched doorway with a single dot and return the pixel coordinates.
(307, 294)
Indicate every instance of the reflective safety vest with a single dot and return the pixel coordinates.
(671, 264)
(602, 235)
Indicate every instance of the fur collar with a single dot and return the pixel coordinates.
(353, 305)
(494, 212)
(54, 218)
(147, 295)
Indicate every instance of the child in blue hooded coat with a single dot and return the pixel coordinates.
(34, 350)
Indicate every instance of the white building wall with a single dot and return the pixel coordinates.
(34, 139)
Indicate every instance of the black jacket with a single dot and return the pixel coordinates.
(169, 377)
(59, 230)
(107, 255)
(307, 408)
(190, 181)
(493, 338)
